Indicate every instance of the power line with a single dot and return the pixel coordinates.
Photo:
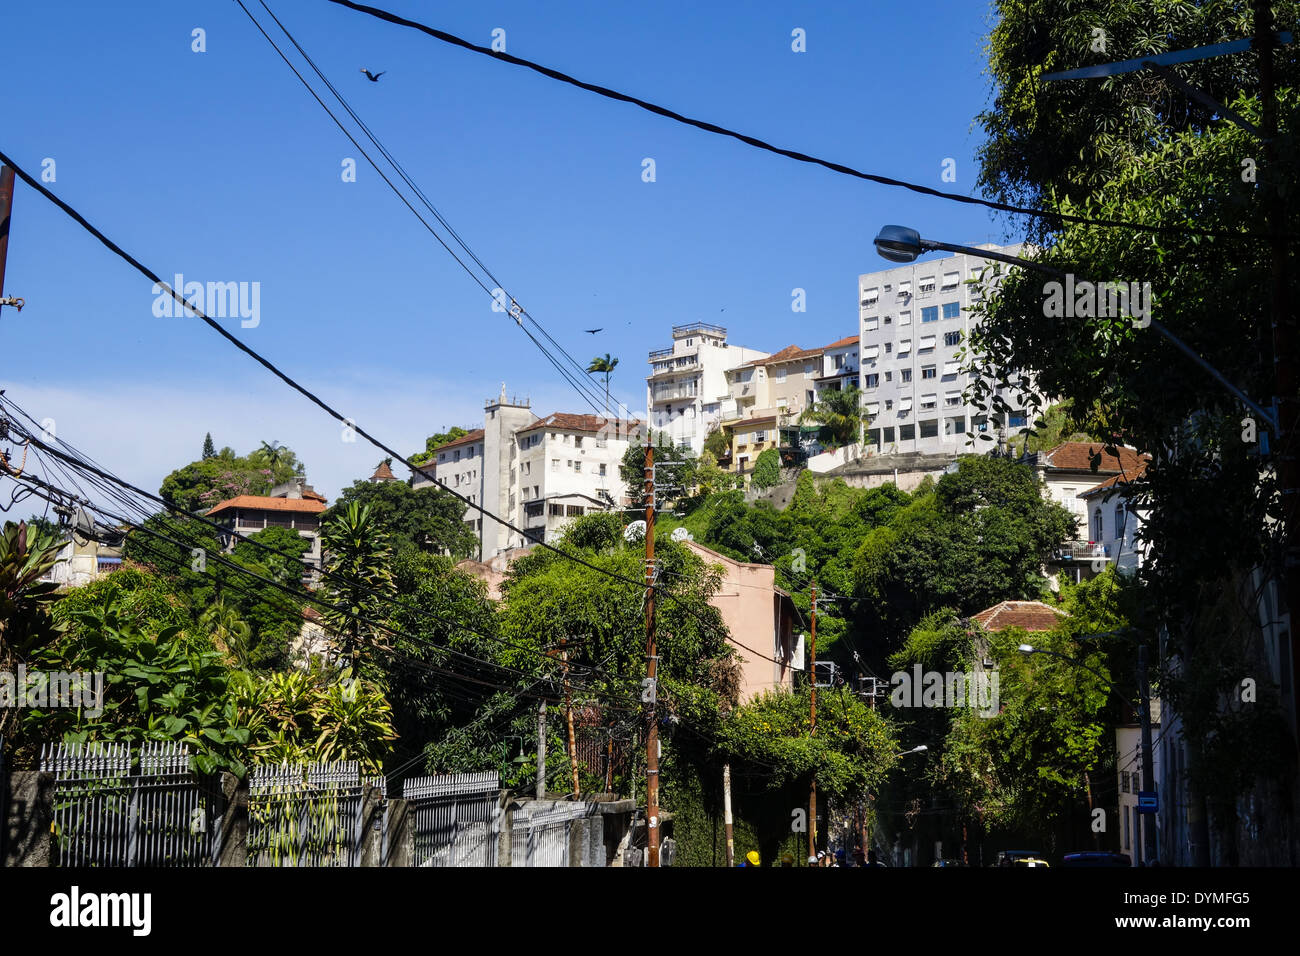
(580, 383)
(553, 74)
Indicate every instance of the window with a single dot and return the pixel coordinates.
(575, 511)
(556, 511)
(533, 509)
(870, 353)
(1018, 420)
(906, 432)
(930, 428)
(555, 464)
(889, 403)
(930, 314)
(951, 280)
(602, 471)
(927, 343)
(929, 402)
(952, 400)
(1096, 525)
(889, 319)
(760, 436)
(1119, 522)
(953, 427)
(889, 435)
(951, 338)
(839, 360)
(907, 375)
(889, 347)
(905, 318)
(889, 376)
(577, 441)
(951, 310)
(926, 285)
(928, 371)
(780, 375)
(950, 368)
(869, 297)
(904, 289)
(873, 380)
(577, 466)
(904, 346)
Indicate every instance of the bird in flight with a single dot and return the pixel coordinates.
(373, 77)
(593, 331)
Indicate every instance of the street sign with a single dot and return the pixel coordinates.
(1147, 801)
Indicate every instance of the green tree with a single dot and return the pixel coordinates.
(209, 450)
(26, 623)
(840, 413)
(767, 469)
(674, 476)
(358, 559)
(603, 366)
(434, 442)
(426, 519)
(208, 481)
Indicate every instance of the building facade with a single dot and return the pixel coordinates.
(915, 320)
(537, 473)
(687, 384)
(294, 505)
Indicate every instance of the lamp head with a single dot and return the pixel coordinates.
(898, 244)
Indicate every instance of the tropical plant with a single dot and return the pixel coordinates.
(603, 365)
(26, 624)
(358, 558)
(840, 413)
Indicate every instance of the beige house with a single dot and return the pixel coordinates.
(760, 619)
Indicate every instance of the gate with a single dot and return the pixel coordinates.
(541, 837)
(106, 815)
(455, 819)
(307, 814)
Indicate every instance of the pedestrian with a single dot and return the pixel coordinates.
(752, 858)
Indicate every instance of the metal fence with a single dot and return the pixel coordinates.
(541, 838)
(307, 814)
(113, 809)
(455, 819)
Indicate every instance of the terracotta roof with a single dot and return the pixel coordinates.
(1110, 484)
(790, 353)
(1030, 615)
(740, 423)
(475, 435)
(581, 423)
(851, 340)
(262, 503)
(1079, 455)
(383, 473)
(312, 494)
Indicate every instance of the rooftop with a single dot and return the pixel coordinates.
(1030, 615)
(566, 421)
(1090, 456)
(263, 503)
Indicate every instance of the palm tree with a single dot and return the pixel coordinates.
(272, 452)
(842, 414)
(229, 632)
(607, 366)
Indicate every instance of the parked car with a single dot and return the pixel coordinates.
(1009, 857)
(1030, 861)
(1096, 858)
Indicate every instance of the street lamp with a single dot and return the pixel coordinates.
(903, 244)
(1144, 716)
(919, 748)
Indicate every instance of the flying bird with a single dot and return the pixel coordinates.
(373, 77)
(594, 331)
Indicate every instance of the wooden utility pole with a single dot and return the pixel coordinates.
(726, 815)
(812, 726)
(568, 717)
(6, 208)
(650, 694)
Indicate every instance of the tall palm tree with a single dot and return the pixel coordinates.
(842, 414)
(273, 452)
(604, 365)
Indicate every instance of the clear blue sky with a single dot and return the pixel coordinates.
(220, 166)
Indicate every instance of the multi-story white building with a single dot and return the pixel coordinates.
(687, 383)
(535, 473)
(840, 366)
(914, 321)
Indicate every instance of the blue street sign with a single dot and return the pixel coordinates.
(1147, 801)
(1164, 59)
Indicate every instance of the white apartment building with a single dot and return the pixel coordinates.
(687, 384)
(915, 319)
(840, 368)
(535, 473)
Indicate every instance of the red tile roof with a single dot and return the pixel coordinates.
(582, 423)
(791, 353)
(1110, 484)
(383, 473)
(262, 503)
(851, 340)
(475, 435)
(1030, 615)
(1079, 456)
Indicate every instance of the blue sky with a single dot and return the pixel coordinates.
(220, 166)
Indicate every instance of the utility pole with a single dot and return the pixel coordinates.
(568, 717)
(812, 726)
(541, 749)
(6, 209)
(1149, 853)
(650, 694)
(726, 814)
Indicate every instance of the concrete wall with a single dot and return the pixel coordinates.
(28, 811)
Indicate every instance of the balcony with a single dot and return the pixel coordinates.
(705, 327)
(1082, 551)
(661, 353)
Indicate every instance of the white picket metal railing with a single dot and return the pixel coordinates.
(455, 819)
(307, 814)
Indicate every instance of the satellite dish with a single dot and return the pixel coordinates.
(635, 531)
(681, 534)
